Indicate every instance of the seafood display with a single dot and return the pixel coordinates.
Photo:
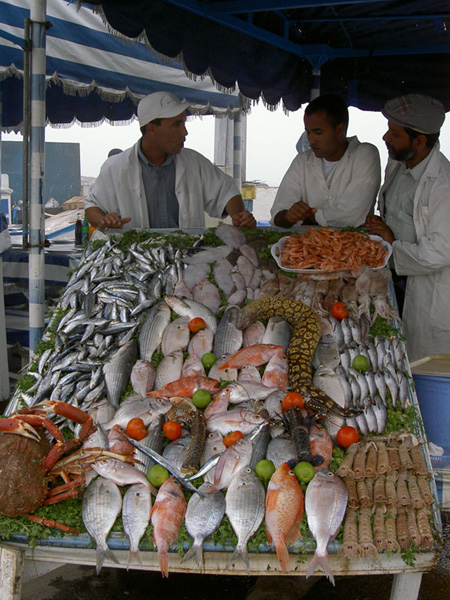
(205, 331)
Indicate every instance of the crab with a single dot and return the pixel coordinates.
(30, 465)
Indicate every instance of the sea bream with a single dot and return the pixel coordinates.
(325, 505)
(136, 507)
(245, 511)
(100, 507)
(203, 517)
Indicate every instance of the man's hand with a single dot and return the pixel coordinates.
(300, 211)
(113, 221)
(377, 227)
(243, 219)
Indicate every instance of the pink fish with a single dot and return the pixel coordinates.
(218, 405)
(232, 461)
(201, 342)
(284, 511)
(238, 419)
(276, 372)
(186, 386)
(142, 377)
(257, 355)
(167, 515)
(321, 445)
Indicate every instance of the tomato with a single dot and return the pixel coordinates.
(196, 324)
(293, 399)
(172, 430)
(346, 436)
(339, 311)
(232, 438)
(136, 429)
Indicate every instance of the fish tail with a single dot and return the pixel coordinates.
(134, 558)
(320, 561)
(102, 555)
(240, 552)
(163, 556)
(282, 555)
(195, 551)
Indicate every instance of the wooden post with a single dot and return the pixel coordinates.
(11, 572)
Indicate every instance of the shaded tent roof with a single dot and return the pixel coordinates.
(367, 51)
(92, 76)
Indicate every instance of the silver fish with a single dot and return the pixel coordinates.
(136, 507)
(117, 371)
(169, 369)
(152, 330)
(191, 308)
(245, 510)
(203, 516)
(208, 256)
(228, 338)
(325, 505)
(281, 449)
(278, 332)
(142, 377)
(327, 353)
(101, 505)
(176, 336)
(228, 374)
(147, 409)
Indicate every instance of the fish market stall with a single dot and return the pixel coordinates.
(221, 402)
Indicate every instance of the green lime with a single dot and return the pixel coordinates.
(201, 398)
(360, 362)
(304, 471)
(265, 469)
(208, 359)
(157, 475)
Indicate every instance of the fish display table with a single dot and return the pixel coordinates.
(152, 269)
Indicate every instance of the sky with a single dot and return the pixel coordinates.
(271, 139)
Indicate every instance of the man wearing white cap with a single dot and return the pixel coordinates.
(414, 204)
(157, 183)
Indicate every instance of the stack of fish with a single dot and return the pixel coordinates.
(122, 325)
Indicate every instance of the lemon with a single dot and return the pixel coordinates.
(208, 359)
(360, 362)
(157, 475)
(304, 471)
(264, 469)
(201, 398)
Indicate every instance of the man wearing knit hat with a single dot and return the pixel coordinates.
(414, 205)
(157, 183)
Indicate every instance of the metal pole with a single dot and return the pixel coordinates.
(37, 161)
(26, 134)
(315, 90)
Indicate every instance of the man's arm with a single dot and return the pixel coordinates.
(98, 218)
(240, 217)
(299, 211)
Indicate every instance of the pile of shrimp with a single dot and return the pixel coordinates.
(330, 250)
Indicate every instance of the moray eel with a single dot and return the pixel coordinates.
(305, 337)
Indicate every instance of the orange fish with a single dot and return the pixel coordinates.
(321, 445)
(256, 355)
(186, 386)
(284, 511)
(276, 372)
(167, 515)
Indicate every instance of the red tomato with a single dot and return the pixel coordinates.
(232, 438)
(293, 399)
(346, 436)
(172, 430)
(339, 311)
(136, 429)
(196, 324)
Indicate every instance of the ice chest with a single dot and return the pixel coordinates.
(432, 381)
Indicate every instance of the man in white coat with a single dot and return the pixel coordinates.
(335, 183)
(414, 205)
(157, 183)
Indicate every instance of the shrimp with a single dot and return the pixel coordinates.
(345, 468)
(402, 529)
(423, 524)
(425, 490)
(414, 490)
(419, 465)
(379, 490)
(371, 463)
(350, 547)
(413, 529)
(379, 528)
(359, 464)
(392, 544)
(383, 465)
(365, 537)
(353, 501)
(363, 493)
(403, 497)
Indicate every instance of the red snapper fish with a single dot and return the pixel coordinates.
(186, 386)
(321, 445)
(167, 515)
(256, 355)
(284, 512)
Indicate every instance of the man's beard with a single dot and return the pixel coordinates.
(402, 155)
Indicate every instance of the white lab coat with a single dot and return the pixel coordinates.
(353, 192)
(199, 186)
(426, 312)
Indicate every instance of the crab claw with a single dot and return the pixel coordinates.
(18, 427)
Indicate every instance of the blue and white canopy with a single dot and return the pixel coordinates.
(91, 75)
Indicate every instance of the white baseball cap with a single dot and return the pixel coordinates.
(160, 105)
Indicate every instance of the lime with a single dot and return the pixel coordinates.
(304, 471)
(208, 359)
(265, 469)
(201, 398)
(157, 475)
(360, 362)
